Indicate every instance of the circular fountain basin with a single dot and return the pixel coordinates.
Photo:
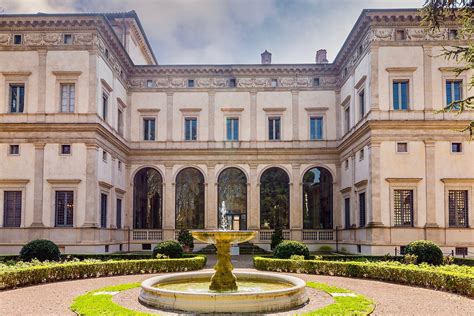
(257, 293)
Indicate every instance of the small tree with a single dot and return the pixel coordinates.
(277, 236)
(186, 239)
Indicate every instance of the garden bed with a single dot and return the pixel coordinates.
(24, 274)
(451, 278)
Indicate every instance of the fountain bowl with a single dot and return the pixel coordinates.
(231, 236)
(290, 294)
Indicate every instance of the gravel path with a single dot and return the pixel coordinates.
(55, 298)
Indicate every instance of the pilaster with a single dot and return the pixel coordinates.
(373, 188)
(295, 114)
(211, 209)
(92, 187)
(92, 82)
(253, 213)
(42, 59)
(169, 116)
(169, 205)
(38, 186)
(427, 53)
(430, 182)
(374, 78)
(211, 115)
(253, 116)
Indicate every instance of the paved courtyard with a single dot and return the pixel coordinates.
(55, 298)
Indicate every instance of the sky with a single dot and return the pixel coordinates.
(230, 31)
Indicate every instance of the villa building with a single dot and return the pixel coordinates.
(102, 149)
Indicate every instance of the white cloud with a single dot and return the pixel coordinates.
(230, 31)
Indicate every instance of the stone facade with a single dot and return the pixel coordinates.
(108, 55)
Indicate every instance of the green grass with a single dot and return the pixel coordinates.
(359, 305)
(90, 304)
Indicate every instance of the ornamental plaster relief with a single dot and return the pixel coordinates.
(48, 39)
(283, 82)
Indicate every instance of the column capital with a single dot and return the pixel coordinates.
(39, 145)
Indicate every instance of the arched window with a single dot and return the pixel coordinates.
(274, 199)
(317, 199)
(232, 187)
(190, 199)
(147, 199)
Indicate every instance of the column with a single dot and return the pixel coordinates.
(253, 116)
(169, 116)
(295, 114)
(42, 55)
(430, 183)
(93, 82)
(253, 212)
(296, 209)
(211, 116)
(38, 186)
(374, 185)
(169, 205)
(92, 187)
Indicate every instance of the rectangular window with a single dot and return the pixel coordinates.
(403, 207)
(453, 34)
(118, 217)
(103, 210)
(274, 83)
(347, 119)
(64, 208)
(274, 128)
(191, 83)
(362, 210)
(400, 35)
(120, 122)
(104, 155)
(232, 83)
(232, 126)
(149, 129)
(361, 154)
(400, 95)
(68, 93)
(453, 92)
(12, 209)
(316, 128)
(458, 208)
(149, 83)
(17, 98)
(347, 213)
(17, 39)
(65, 149)
(461, 251)
(316, 82)
(362, 104)
(67, 39)
(190, 128)
(402, 147)
(119, 165)
(14, 150)
(105, 104)
(456, 147)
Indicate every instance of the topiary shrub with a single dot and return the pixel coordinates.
(325, 249)
(170, 248)
(40, 249)
(288, 248)
(425, 251)
(277, 237)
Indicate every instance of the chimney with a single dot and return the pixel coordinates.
(321, 57)
(266, 57)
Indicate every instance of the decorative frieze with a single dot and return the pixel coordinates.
(47, 39)
(259, 82)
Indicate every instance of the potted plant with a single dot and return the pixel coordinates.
(186, 240)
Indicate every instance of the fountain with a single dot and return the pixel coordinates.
(224, 291)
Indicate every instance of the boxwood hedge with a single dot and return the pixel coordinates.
(433, 278)
(53, 272)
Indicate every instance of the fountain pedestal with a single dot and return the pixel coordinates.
(223, 279)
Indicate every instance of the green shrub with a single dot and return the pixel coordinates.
(277, 237)
(457, 279)
(426, 251)
(40, 249)
(288, 248)
(410, 259)
(448, 260)
(55, 271)
(296, 257)
(185, 238)
(325, 249)
(170, 248)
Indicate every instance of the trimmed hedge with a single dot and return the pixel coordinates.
(81, 270)
(288, 248)
(169, 248)
(438, 280)
(40, 249)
